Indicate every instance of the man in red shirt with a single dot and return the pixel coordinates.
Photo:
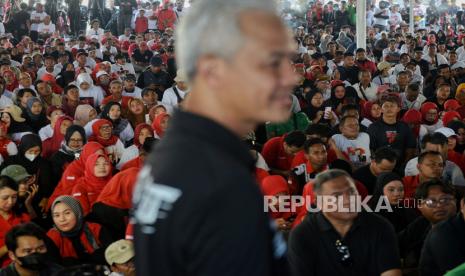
(279, 152)
(430, 165)
(166, 17)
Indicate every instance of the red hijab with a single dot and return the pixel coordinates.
(424, 110)
(95, 137)
(74, 171)
(366, 111)
(449, 116)
(53, 144)
(272, 185)
(49, 78)
(89, 176)
(118, 192)
(451, 104)
(157, 124)
(413, 117)
(12, 86)
(137, 131)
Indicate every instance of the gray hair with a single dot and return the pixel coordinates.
(211, 27)
(326, 176)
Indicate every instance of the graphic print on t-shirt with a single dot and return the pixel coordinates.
(357, 155)
(391, 136)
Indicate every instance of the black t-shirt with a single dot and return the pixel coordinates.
(366, 177)
(398, 136)
(20, 20)
(444, 248)
(411, 241)
(142, 57)
(200, 211)
(371, 242)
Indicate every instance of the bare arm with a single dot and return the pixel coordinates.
(392, 272)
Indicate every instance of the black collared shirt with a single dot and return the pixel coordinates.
(198, 208)
(371, 242)
(444, 248)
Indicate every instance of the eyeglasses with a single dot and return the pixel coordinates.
(433, 203)
(343, 250)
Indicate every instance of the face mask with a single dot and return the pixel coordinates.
(30, 156)
(35, 261)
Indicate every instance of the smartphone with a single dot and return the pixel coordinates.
(327, 112)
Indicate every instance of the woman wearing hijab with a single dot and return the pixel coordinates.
(74, 171)
(35, 114)
(450, 116)
(52, 145)
(276, 185)
(70, 149)
(10, 215)
(459, 128)
(15, 123)
(136, 112)
(84, 114)
(70, 100)
(316, 110)
(140, 134)
(11, 83)
(66, 76)
(78, 241)
(430, 119)
(102, 133)
(160, 124)
(337, 99)
(121, 127)
(29, 157)
(371, 112)
(97, 174)
(112, 206)
(88, 92)
(413, 119)
(389, 185)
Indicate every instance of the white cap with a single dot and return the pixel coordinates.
(100, 73)
(458, 64)
(448, 132)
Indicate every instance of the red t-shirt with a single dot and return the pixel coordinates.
(65, 245)
(411, 184)
(275, 156)
(5, 226)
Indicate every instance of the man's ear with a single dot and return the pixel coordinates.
(12, 256)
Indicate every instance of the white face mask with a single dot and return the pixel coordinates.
(30, 156)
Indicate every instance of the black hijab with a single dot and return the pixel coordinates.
(119, 124)
(17, 127)
(311, 110)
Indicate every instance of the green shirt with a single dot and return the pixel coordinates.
(298, 121)
(458, 271)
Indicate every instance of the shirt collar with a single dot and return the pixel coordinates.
(324, 225)
(214, 134)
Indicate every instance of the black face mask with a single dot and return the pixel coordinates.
(34, 262)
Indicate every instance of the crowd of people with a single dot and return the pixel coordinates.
(80, 114)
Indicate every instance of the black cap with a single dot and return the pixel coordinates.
(130, 77)
(156, 61)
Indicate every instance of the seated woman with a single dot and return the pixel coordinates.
(160, 124)
(97, 175)
(70, 150)
(112, 206)
(29, 157)
(142, 131)
(53, 144)
(7, 147)
(17, 128)
(84, 113)
(35, 114)
(121, 127)
(389, 185)
(78, 241)
(136, 112)
(9, 216)
(102, 134)
(75, 171)
(276, 185)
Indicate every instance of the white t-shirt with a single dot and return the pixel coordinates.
(152, 24)
(125, 68)
(5, 101)
(137, 93)
(42, 71)
(357, 150)
(34, 16)
(46, 29)
(11, 149)
(395, 18)
(170, 98)
(94, 94)
(381, 21)
(371, 92)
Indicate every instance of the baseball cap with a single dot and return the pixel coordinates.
(384, 65)
(156, 61)
(448, 132)
(180, 76)
(100, 73)
(119, 252)
(16, 172)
